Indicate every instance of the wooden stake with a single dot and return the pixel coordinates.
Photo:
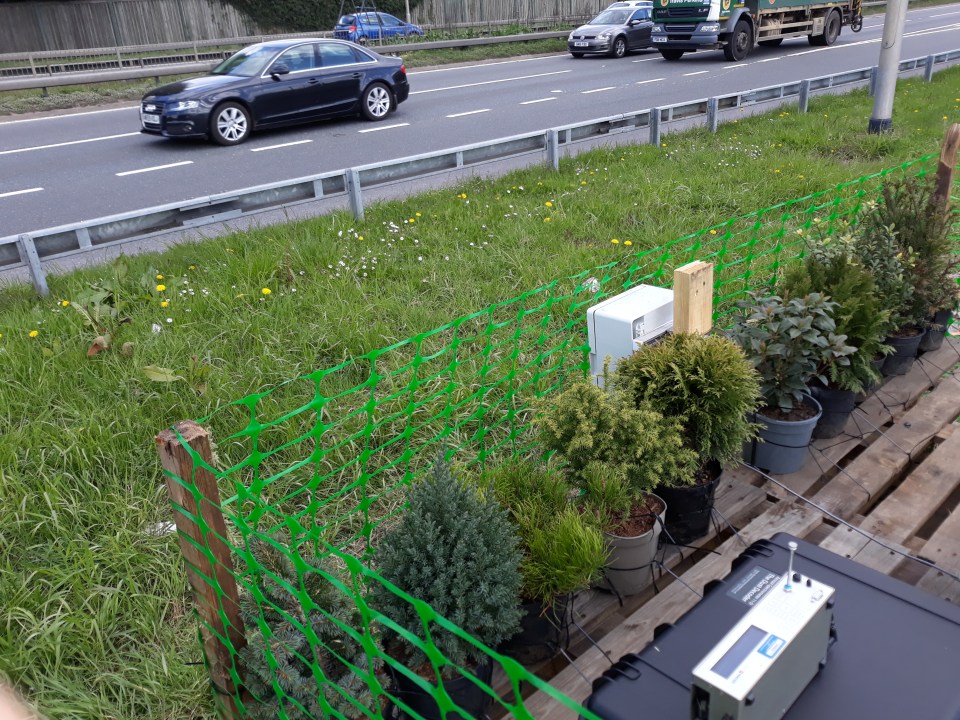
(693, 298)
(214, 587)
(945, 168)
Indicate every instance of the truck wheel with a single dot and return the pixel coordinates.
(771, 43)
(619, 47)
(740, 42)
(672, 54)
(831, 31)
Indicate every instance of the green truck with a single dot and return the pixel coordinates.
(737, 26)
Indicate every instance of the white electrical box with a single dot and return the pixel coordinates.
(619, 325)
(769, 657)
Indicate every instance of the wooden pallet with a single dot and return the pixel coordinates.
(893, 475)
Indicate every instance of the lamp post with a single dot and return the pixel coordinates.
(888, 67)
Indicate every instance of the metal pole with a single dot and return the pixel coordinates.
(928, 72)
(28, 254)
(713, 114)
(352, 178)
(874, 75)
(655, 126)
(891, 45)
(553, 149)
(804, 95)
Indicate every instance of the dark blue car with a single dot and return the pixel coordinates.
(363, 27)
(277, 83)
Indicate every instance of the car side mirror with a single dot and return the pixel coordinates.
(634, 22)
(277, 70)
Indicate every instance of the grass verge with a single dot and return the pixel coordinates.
(94, 601)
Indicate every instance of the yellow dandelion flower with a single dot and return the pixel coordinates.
(413, 220)
(165, 303)
(418, 214)
(266, 291)
(615, 241)
(628, 242)
(64, 303)
(33, 333)
(161, 288)
(360, 237)
(713, 232)
(159, 277)
(548, 203)
(193, 267)
(546, 219)
(583, 182)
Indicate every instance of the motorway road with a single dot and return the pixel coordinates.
(66, 168)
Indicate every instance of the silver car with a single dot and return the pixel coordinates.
(614, 32)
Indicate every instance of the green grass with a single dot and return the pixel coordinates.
(94, 607)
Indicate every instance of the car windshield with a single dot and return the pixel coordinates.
(616, 16)
(249, 62)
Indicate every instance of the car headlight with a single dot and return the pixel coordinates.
(185, 105)
(657, 28)
(605, 34)
(570, 36)
(710, 28)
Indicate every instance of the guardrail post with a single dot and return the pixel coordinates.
(33, 68)
(352, 181)
(713, 114)
(804, 95)
(28, 253)
(928, 71)
(874, 75)
(655, 126)
(553, 148)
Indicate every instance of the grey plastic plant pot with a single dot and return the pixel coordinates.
(933, 337)
(837, 406)
(904, 353)
(628, 569)
(784, 443)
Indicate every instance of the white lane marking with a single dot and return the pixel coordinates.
(68, 115)
(282, 145)
(731, 67)
(64, 144)
(469, 112)
(648, 59)
(383, 127)
(558, 91)
(155, 167)
(587, 92)
(483, 65)
(944, 14)
(534, 102)
(699, 72)
(644, 82)
(767, 60)
(20, 192)
(490, 82)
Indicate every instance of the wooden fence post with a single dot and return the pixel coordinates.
(214, 587)
(945, 168)
(693, 298)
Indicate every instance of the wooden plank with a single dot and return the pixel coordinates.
(667, 607)
(872, 472)
(693, 298)
(903, 512)
(943, 549)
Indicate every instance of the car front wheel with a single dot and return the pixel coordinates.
(229, 124)
(619, 47)
(377, 102)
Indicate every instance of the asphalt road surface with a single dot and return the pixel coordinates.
(79, 165)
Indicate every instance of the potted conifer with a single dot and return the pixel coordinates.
(788, 342)
(615, 454)
(706, 383)
(280, 659)
(562, 553)
(832, 268)
(455, 549)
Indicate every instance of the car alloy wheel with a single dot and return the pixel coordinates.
(377, 102)
(231, 124)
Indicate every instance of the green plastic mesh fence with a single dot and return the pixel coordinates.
(312, 472)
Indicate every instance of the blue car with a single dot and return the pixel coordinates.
(363, 27)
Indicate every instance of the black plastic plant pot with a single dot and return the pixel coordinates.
(544, 631)
(837, 407)
(784, 442)
(904, 353)
(689, 508)
(933, 337)
(470, 699)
